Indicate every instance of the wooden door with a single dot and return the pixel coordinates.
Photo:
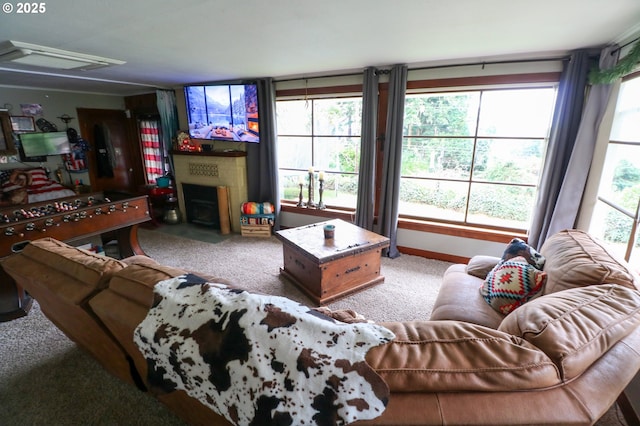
(114, 160)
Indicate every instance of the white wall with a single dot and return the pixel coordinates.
(54, 103)
(424, 241)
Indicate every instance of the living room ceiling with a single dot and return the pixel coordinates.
(169, 43)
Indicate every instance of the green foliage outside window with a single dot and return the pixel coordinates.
(626, 182)
(484, 147)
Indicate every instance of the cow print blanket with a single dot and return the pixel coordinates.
(259, 359)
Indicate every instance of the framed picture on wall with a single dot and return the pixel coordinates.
(22, 123)
(6, 135)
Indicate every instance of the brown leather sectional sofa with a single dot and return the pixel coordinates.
(561, 358)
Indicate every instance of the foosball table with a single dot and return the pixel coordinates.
(67, 219)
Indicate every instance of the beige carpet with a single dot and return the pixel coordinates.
(408, 292)
(46, 380)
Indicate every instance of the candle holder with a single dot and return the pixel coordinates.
(310, 202)
(320, 191)
(300, 202)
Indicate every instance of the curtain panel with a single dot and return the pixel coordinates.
(366, 174)
(571, 146)
(389, 195)
(166, 103)
(564, 128)
(151, 151)
(262, 158)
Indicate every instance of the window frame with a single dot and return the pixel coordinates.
(467, 84)
(477, 231)
(634, 216)
(312, 94)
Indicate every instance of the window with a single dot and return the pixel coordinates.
(474, 157)
(615, 218)
(323, 134)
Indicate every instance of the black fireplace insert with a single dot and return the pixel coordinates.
(201, 205)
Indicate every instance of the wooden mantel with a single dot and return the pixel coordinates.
(219, 168)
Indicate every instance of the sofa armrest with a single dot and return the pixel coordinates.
(449, 356)
(479, 266)
(576, 327)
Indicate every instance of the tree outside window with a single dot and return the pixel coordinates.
(474, 157)
(616, 214)
(323, 134)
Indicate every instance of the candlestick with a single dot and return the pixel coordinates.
(310, 202)
(300, 202)
(320, 191)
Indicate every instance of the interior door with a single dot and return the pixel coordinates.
(114, 159)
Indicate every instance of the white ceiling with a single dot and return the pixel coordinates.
(169, 43)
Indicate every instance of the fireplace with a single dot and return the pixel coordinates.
(214, 170)
(201, 205)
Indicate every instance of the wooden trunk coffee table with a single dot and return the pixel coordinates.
(326, 269)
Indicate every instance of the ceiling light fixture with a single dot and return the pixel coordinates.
(41, 56)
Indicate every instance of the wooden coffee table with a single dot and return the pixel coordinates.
(326, 269)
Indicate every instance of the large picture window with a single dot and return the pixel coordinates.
(474, 157)
(617, 211)
(323, 134)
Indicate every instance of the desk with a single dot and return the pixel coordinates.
(327, 269)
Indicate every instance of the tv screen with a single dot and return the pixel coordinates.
(226, 112)
(42, 144)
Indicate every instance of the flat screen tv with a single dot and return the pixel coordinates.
(43, 144)
(226, 112)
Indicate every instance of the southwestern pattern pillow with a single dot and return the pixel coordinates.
(259, 359)
(512, 283)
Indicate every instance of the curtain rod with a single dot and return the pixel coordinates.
(386, 70)
(470, 64)
(613, 52)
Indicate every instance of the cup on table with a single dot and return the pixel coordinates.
(329, 231)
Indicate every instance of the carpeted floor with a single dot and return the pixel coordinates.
(191, 231)
(46, 380)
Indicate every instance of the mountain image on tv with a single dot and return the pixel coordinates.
(226, 112)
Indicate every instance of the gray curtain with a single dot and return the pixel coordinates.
(166, 103)
(571, 147)
(262, 158)
(389, 193)
(366, 174)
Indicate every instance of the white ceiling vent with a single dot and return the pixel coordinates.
(41, 56)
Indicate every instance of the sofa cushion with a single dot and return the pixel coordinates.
(576, 259)
(449, 356)
(136, 282)
(139, 259)
(459, 300)
(577, 326)
(512, 283)
(84, 272)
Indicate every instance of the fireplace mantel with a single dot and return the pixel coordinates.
(214, 169)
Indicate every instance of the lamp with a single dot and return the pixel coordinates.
(41, 56)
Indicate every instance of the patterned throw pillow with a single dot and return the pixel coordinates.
(518, 247)
(512, 283)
